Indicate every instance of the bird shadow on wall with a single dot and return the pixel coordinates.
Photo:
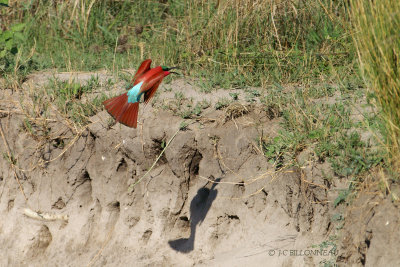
(199, 207)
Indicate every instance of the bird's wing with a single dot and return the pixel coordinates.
(143, 68)
(150, 93)
(150, 82)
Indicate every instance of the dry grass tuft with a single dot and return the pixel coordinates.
(376, 37)
(235, 110)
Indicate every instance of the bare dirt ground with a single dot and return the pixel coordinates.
(212, 198)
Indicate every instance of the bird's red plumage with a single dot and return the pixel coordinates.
(115, 105)
(150, 93)
(144, 67)
(122, 111)
(129, 117)
(127, 113)
(146, 77)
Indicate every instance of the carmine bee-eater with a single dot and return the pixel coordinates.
(125, 108)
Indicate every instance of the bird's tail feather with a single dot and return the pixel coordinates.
(129, 117)
(116, 105)
(122, 111)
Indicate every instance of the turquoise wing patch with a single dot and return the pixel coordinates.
(133, 93)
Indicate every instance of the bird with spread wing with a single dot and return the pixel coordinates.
(124, 108)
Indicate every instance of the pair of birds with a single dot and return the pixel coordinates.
(124, 108)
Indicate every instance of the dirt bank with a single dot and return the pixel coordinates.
(211, 199)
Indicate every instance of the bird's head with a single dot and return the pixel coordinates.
(167, 70)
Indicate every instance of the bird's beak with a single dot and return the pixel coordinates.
(171, 68)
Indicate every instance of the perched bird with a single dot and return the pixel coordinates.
(125, 108)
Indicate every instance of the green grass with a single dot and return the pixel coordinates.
(67, 97)
(228, 44)
(222, 103)
(72, 100)
(311, 121)
(378, 45)
(331, 247)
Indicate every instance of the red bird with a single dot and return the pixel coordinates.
(125, 108)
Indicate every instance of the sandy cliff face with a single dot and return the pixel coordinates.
(211, 199)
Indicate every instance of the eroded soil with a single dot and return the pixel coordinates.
(212, 198)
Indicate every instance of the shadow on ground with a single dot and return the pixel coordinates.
(199, 207)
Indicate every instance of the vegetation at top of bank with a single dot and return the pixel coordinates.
(314, 46)
(221, 43)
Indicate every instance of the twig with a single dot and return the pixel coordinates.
(251, 180)
(326, 10)
(76, 137)
(44, 215)
(155, 162)
(11, 162)
(9, 112)
(102, 247)
(273, 24)
(247, 196)
(308, 182)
